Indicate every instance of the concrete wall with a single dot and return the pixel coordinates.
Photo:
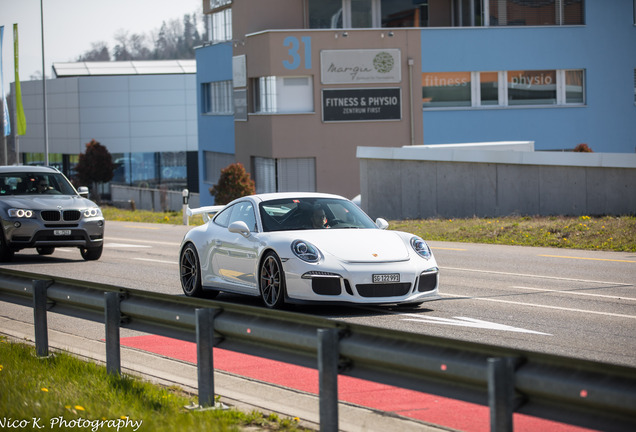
(150, 199)
(426, 182)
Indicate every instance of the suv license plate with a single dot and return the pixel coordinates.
(62, 232)
(379, 278)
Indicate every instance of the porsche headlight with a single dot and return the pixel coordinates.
(92, 212)
(305, 251)
(421, 248)
(20, 213)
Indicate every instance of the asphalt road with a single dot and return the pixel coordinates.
(567, 302)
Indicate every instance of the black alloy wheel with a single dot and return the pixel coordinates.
(272, 282)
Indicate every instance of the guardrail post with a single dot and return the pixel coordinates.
(501, 383)
(328, 355)
(39, 317)
(113, 320)
(205, 363)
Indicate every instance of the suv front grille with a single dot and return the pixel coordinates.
(56, 215)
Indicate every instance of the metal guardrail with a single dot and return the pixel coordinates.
(578, 392)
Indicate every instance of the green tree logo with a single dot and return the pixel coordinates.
(383, 62)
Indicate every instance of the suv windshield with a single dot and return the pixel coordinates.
(35, 183)
(312, 213)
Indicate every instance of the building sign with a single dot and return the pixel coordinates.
(361, 104)
(360, 66)
(240, 105)
(239, 71)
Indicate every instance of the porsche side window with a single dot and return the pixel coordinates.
(223, 218)
(244, 211)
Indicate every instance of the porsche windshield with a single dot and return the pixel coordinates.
(27, 183)
(312, 213)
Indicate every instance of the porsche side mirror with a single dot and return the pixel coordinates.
(83, 191)
(239, 227)
(381, 223)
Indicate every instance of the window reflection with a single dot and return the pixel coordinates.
(446, 89)
(489, 85)
(538, 87)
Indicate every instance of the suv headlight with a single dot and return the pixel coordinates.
(20, 213)
(305, 251)
(421, 248)
(92, 212)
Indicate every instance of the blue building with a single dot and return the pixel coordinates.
(290, 88)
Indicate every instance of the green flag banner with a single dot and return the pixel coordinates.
(20, 119)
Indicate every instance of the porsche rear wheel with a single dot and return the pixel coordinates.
(272, 281)
(190, 272)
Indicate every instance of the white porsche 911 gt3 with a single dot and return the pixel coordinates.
(305, 247)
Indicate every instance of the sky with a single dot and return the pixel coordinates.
(72, 26)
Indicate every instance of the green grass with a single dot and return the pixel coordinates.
(584, 232)
(594, 233)
(58, 391)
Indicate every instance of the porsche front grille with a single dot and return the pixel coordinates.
(384, 290)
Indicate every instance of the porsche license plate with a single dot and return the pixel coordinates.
(391, 277)
(62, 232)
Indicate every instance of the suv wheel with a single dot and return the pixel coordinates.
(92, 254)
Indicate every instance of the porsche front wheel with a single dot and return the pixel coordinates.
(190, 272)
(272, 281)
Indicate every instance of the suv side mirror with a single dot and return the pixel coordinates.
(83, 191)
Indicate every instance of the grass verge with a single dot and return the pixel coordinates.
(61, 392)
(584, 232)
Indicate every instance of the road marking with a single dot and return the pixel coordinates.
(575, 293)
(156, 261)
(124, 245)
(144, 241)
(583, 258)
(470, 322)
(141, 227)
(541, 306)
(537, 276)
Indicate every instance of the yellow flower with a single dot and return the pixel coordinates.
(44, 389)
(0, 367)
(79, 408)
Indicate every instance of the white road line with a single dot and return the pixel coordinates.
(575, 293)
(536, 276)
(156, 261)
(142, 241)
(541, 306)
(470, 322)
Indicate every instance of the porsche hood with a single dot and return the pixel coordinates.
(358, 245)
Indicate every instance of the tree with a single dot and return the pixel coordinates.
(234, 183)
(583, 148)
(95, 166)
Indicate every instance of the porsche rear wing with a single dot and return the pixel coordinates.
(206, 212)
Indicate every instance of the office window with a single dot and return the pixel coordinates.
(214, 163)
(504, 88)
(404, 13)
(284, 175)
(446, 89)
(538, 87)
(574, 87)
(536, 12)
(221, 24)
(489, 88)
(216, 98)
(283, 95)
(325, 14)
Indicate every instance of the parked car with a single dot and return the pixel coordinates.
(305, 247)
(39, 208)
